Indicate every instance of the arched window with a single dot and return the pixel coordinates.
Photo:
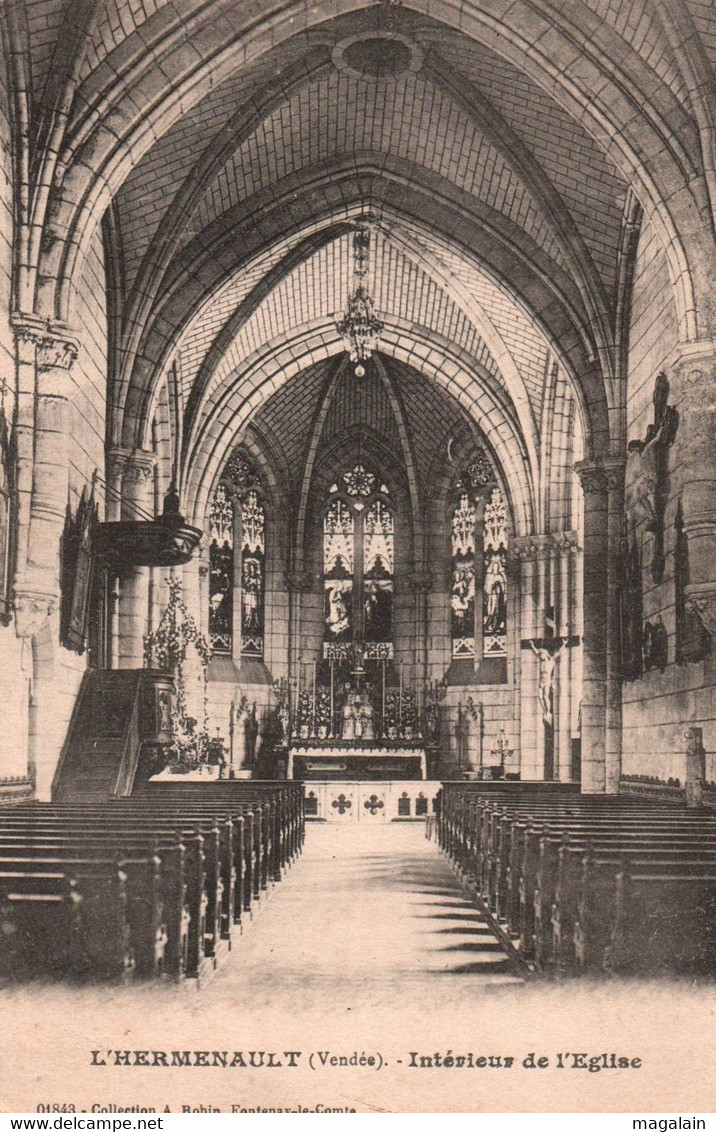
(462, 596)
(358, 567)
(479, 562)
(494, 617)
(221, 571)
(237, 519)
(253, 559)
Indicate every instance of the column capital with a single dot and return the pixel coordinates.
(593, 476)
(567, 542)
(701, 600)
(614, 468)
(32, 608)
(688, 357)
(133, 464)
(54, 346)
(530, 548)
(522, 549)
(694, 371)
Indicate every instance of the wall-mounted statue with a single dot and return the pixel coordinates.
(655, 645)
(645, 479)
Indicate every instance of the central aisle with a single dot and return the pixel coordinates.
(364, 911)
(368, 948)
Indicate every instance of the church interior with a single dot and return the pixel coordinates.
(358, 396)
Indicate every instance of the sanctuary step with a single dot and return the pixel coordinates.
(370, 803)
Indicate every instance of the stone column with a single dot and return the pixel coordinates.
(43, 456)
(137, 501)
(695, 766)
(614, 471)
(594, 678)
(45, 355)
(194, 672)
(541, 551)
(115, 462)
(117, 459)
(531, 730)
(298, 583)
(695, 396)
(421, 585)
(566, 546)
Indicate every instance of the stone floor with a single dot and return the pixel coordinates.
(367, 914)
(369, 947)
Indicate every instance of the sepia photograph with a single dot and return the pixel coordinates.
(357, 557)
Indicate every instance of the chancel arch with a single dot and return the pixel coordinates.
(357, 406)
(179, 281)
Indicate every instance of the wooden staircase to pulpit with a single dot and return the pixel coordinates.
(116, 713)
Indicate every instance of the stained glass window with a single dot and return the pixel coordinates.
(378, 566)
(467, 543)
(358, 481)
(253, 551)
(222, 527)
(338, 569)
(494, 623)
(358, 567)
(462, 595)
(221, 571)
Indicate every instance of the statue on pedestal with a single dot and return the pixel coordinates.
(348, 716)
(357, 717)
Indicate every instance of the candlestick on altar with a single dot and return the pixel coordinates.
(232, 709)
(400, 698)
(313, 705)
(295, 688)
(332, 708)
(382, 699)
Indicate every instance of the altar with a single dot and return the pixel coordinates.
(360, 760)
(363, 730)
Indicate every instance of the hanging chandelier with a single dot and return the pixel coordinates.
(360, 328)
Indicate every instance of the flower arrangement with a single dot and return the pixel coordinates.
(390, 715)
(323, 713)
(304, 714)
(166, 648)
(409, 715)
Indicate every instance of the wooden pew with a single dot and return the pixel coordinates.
(665, 921)
(41, 931)
(525, 851)
(177, 888)
(586, 877)
(195, 861)
(121, 902)
(205, 889)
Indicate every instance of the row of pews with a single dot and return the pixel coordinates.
(151, 886)
(580, 883)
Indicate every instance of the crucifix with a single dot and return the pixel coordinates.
(645, 487)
